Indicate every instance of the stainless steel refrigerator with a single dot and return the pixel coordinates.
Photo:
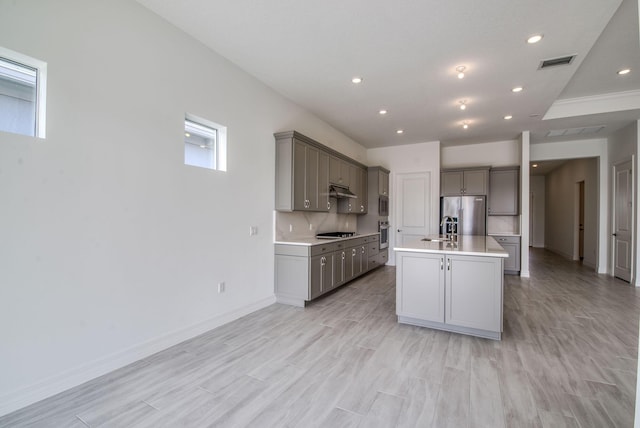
(468, 215)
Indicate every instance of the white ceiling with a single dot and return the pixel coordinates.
(407, 53)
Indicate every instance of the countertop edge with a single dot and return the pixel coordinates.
(308, 242)
(462, 253)
(481, 246)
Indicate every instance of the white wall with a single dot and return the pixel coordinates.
(423, 157)
(623, 146)
(538, 208)
(596, 148)
(495, 154)
(110, 247)
(561, 202)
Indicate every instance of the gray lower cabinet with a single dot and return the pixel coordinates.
(473, 296)
(450, 292)
(321, 278)
(303, 273)
(511, 245)
(421, 295)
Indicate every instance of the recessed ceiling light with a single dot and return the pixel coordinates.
(399, 131)
(534, 39)
(202, 146)
(517, 89)
(383, 111)
(463, 104)
(508, 117)
(465, 125)
(624, 71)
(356, 80)
(535, 165)
(186, 134)
(460, 69)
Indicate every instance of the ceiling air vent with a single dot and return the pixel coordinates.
(553, 62)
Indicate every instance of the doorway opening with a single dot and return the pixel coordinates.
(623, 233)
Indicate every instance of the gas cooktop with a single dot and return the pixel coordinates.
(334, 235)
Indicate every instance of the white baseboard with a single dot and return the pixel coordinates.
(93, 369)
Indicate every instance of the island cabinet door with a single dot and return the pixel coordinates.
(474, 292)
(420, 286)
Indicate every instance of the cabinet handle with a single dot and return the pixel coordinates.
(323, 261)
(448, 264)
(362, 250)
(328, 205)
(353, 252)
(361, 208)
(343, 256)
(441, 264)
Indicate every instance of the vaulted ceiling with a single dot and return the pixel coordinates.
(407, 52)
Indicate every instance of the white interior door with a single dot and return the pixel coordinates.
(623, 217)
(413, 202)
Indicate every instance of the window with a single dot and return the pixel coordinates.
(205, 143)
(22, 94)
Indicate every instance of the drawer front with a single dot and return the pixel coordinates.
(383, 257)
(323, 248)
(373, 248)
(356, 242)
(507, 239)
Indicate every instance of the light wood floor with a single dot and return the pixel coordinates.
(567, 358)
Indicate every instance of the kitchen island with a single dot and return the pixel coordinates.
(451, 284)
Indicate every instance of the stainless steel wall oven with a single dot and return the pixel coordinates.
(383, 227)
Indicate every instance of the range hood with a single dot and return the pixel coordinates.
(336, 191)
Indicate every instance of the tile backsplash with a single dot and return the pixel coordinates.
(503, 224)
(308, 224)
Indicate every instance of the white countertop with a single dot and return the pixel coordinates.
(504, 234)
(312, 240)
(470, 245)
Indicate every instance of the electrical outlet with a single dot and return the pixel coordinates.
(221, 287)
(310, 226)
(290, 228)
(253, 230)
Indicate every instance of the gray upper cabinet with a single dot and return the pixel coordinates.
(383, 182)
(304, 170)
(358, 186)
(504, 191)
(363, 189)
(464, 182)
(309, 184)
(339, 172)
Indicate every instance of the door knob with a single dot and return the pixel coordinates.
(399, 230)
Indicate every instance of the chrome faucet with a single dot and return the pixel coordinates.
(445, 221)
